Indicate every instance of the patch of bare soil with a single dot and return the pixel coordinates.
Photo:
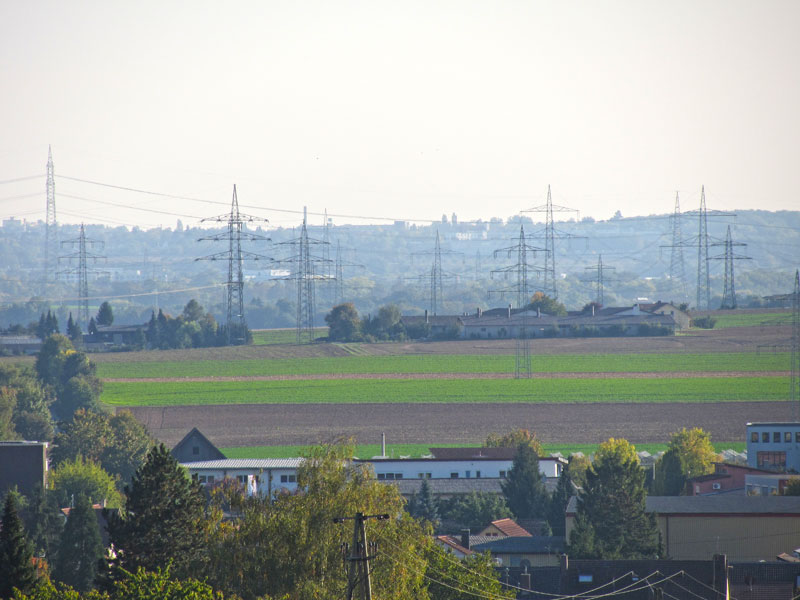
(287, 424)
(322, 376)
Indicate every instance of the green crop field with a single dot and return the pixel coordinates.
(564, 363)
(418, 450)
(359, 391)
(264, 337)
(739, 319)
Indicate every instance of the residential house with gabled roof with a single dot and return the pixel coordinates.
(196, 447)
(505, 528)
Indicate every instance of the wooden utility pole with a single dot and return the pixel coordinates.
(358, 557)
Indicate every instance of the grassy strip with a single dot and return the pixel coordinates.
(580, 363)
(701, 389)
(266, 337)
(418, 450)
(737, 319)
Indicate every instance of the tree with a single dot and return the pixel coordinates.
(105, 316)
(16, 552)
(43, 521)
(558, 503)
(161, 521)
(578, 465)
(8, 402)
(611, 519)
(792, 487)
(476, 509)
(669, 479)
(343, 323)
(79, 477)
(51, 358)
(74, 331)
(695, 451)
(423, 505)
(92, 327)
(193, 311)
(80, 548)
(513, 439)
(448, 576)
(70, 374)
(547, 305)
(524, 489)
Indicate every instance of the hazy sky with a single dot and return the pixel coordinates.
(398, 109)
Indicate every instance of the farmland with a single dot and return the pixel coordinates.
(459, 363)
(416, 391)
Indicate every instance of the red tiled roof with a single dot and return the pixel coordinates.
(510, 528)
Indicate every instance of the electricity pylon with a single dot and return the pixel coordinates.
(677, 269)
(436, 274)
(794, 391)
(307, 269)
(51, 245)
(729, 293)
(339, 274)
(550, 235)
(522, 366)
(702, 243)
(599, 279)
(82, 270)
(235, 256)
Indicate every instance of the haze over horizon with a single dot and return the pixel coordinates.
(399, 111)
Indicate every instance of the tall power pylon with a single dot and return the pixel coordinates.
(794, 391)
(307, 269)
(436, 275)
(521, 268)
(339, 274)
(702, 242)
(599, 279)
(51, 245)
(81, 271)
(729, 293)
(677, 269)
(234, 233)
(550, 234)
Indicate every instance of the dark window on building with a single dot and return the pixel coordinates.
(453, 475)
(195, 450)
(771, 460)
(787, 437)
(502, 474)
(241, 479)
(398, 475)
(797, 437)
(776, 437)
(765, 437)
(478, 474)
(381, 476)
(754, 437)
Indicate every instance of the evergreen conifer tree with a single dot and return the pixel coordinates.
(524, 489)
(105, 316)
(92, 328)
(558, 503)
(162, 518)
(424, 505)
(43, 521)
(16, 552)
(80, 547)
(669, 479)
(74, 330)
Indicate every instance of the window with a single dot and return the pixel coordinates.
(468, 474)
(797, 437)
(585, 578)
(291, 478)
(765, 437)
(787, 437)
(754, 437)
(502, 474)
(776, 437)
(398, 475)
(771, 460)
(241, 479)
(381, 476)
(478, 474)
(205, 478)
(195, 450)
(453, 475)
(424, 475)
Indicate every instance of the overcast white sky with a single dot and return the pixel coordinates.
(398, 109)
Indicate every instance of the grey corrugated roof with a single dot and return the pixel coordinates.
(461, 485)
(523, 544)
(246, 463)
(717, 504)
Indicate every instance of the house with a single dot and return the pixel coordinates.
(453, 545)
(524, 551)
(504, 528)
(726, 478)
(440, 325)
(265, 476)
(19, 344)
(23, 465)
(746, 528)
(108, 336)
(682, 318)
(762, 483)
(196, 447)
(774, 446)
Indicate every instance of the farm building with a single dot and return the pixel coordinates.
(746, 528)
(726, 478)
(196, 447)
(265, 476)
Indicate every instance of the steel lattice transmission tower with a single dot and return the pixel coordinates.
(599, 279)
(677, 268)
(794, 391)
(729, 293)
(81, 271)
(307, 269)
(51, 245)
(436, 275)
(521, 289)
(550, 234)
(339, 273)
(234, 234)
